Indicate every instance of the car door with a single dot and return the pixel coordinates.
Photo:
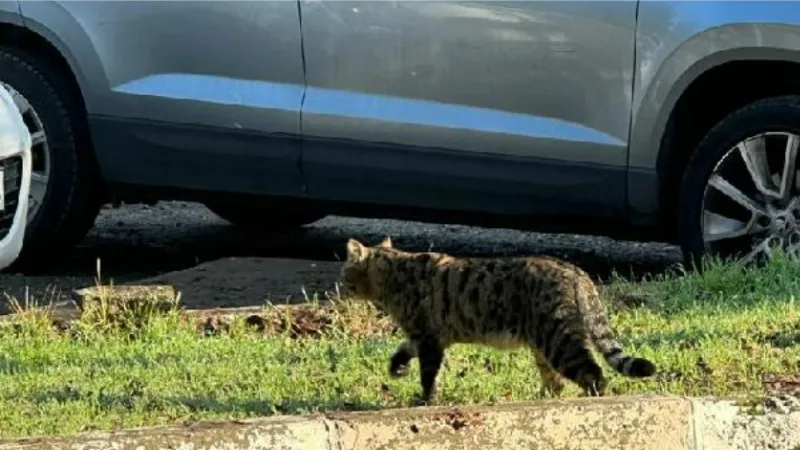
(509, 107)
(190, 94)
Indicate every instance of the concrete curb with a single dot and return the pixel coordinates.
(627, 423)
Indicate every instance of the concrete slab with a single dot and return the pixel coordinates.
(275, 433)
(640, 423)
(721, 425)
(624, 423)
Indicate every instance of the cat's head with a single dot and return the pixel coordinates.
(363, 264)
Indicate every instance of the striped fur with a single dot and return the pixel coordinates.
(545, 304)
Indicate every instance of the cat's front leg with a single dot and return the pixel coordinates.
(398, 365)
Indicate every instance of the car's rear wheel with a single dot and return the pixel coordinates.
(263, 218)
(64, 200)
(740, 196)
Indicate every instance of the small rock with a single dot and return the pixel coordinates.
(127, 306)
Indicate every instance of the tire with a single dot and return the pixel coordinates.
(263, 219)
(71, 201)
(778, 114)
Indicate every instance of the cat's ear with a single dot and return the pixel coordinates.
(355, 250)
(386, 243)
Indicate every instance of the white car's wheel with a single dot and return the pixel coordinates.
(15, 179)
(65, 198)
(40, 152)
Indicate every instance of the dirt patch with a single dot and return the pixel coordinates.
(224, 283)
(776, 384)
(136, 304)
(299, 321)
(457, 419)
(239, 282)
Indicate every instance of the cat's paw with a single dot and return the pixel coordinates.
(397, 370)
(420, 401)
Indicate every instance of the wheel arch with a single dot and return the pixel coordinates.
(41, 43)
(704, 103)
(48, 27)
(673, 112)
(29, 41)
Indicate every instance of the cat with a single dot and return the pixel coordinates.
(540, 302)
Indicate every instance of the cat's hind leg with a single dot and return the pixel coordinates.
(568, 353)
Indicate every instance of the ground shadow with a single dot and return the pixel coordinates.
(124, 258)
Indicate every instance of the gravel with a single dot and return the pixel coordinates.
(139, 241)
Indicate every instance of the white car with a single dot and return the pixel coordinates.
(15, 178)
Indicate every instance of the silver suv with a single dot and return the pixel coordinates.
(669, 121)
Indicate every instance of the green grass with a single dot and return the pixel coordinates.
(717, 333)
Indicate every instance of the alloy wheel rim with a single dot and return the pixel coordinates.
(751, 203)
(40, 151)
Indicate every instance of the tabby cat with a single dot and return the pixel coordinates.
(540, 302)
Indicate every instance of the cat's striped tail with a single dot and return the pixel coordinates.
(606, 343)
